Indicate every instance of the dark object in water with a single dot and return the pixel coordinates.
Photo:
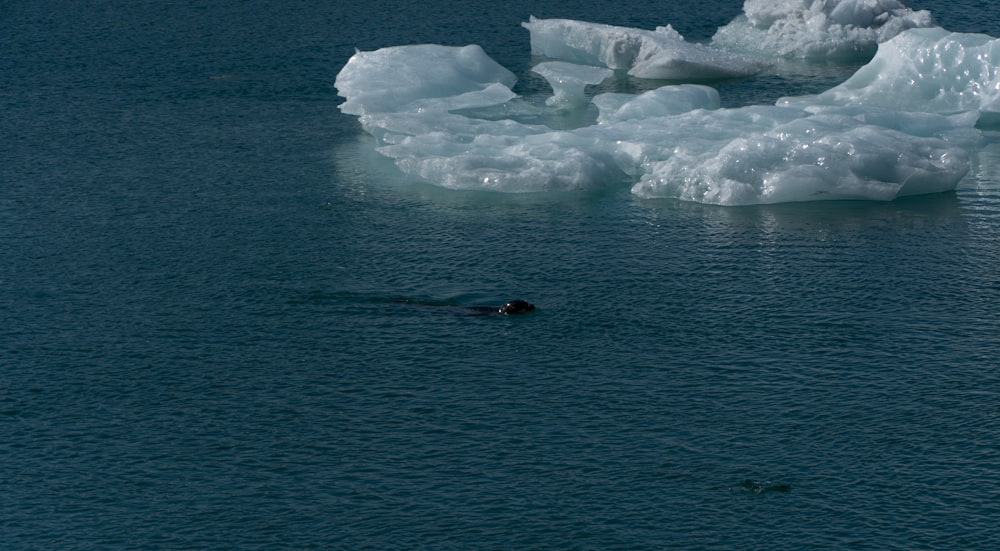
(516, 306)
(761, 487)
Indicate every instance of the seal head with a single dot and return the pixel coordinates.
(517, 306)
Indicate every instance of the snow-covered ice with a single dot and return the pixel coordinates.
(818, 29)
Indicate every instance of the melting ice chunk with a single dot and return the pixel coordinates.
(659, 54)
(930, 70)
(569, 80)
(406, 78)
(813, 29)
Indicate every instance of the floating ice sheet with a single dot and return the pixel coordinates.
(659, 54)
(818, 29)
(676, 141)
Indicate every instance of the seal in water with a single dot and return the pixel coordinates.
(761, 487)
(516, 306)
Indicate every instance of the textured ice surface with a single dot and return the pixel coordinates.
(668, 100)
(929, 70)
(829, 29)
(768, 154)
(659, 54)
(449, 117)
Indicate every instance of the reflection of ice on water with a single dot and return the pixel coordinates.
(985, 165)
(980, 193)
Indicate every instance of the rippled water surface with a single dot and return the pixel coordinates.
(227, 323)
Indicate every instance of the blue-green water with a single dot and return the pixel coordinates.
(228, 324)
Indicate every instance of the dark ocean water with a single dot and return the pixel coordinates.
(227, 324)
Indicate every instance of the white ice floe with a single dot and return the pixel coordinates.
(904, 125)
(659, 54)
(930, 70)
(818, 29)
(674, 142)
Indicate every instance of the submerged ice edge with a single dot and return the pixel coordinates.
(672, 142)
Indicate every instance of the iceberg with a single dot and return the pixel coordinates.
(659, 54)
(928, 70)
(818, 29)
(903, 125)
(673, 141)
